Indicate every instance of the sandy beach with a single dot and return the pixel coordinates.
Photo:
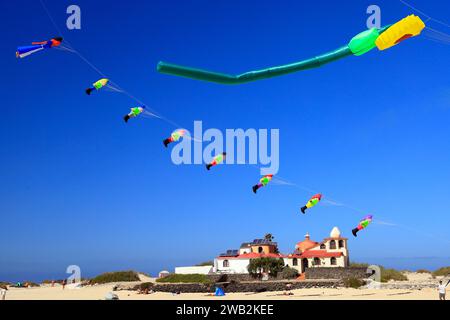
(98, 292)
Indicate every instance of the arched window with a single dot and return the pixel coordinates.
(323, 246)
(332, 244)
(316, 261)
(295, 262)
(260, 249)
(333, 261)
(341, 244)
(226, 263)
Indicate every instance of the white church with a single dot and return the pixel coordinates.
(330, 252)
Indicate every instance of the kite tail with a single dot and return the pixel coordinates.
(25, 51)
(205, 75)
(255, 188)
(208, 166)
(126, 118)
(303, 209)
(355, 231)
(89, 90)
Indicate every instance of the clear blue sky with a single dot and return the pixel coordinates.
(78, 186)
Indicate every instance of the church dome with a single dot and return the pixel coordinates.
(305, 244)
(335, 233)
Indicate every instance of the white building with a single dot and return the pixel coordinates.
(194, 270)
(331, 252)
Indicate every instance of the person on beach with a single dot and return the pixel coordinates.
(442, 288)
(64, 284)
(3, 292)
(288, 290)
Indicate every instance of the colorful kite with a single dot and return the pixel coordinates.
(217, 160)
(97, 86)
(175, 136)
(311, 202)
(24, 51)
(134, 113)
(362, 224)
(262, 182)
(382, 38)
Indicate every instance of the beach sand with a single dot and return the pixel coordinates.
(98, 292)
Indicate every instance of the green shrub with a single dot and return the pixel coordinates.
(270, 265)
(119, 276)
(185, 278)
(423, 271)
(353, 283)
(289, 273)
(444, 271)
(144, 286)
(358, 265)
(206, 263)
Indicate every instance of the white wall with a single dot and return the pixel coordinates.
(194, 270)
(245, 250)
(234, 265)
(324, 262)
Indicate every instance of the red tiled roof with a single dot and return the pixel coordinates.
(306, 245)
(306, 254)
(253, 255)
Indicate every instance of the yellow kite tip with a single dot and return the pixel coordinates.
(406, 28)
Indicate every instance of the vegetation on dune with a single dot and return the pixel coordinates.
(423, 271)
(50, 281)
(206, 263)
(353, 283)
(386, 274)
(30, 284)
(444, 271)
(271, 265)
(5, 285)
(391, 274)
(358, 265)
(119, 276)
(185, 278)
(46, 281)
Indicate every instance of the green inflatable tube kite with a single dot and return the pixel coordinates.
(360, 44)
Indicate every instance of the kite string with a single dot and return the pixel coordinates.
(71, 49)
(118, 88)
(441, 36)
(359, 211)
(424, 14)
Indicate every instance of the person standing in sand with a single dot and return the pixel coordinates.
(3, 292)
(442, 288)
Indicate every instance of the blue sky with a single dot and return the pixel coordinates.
(79, 186)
